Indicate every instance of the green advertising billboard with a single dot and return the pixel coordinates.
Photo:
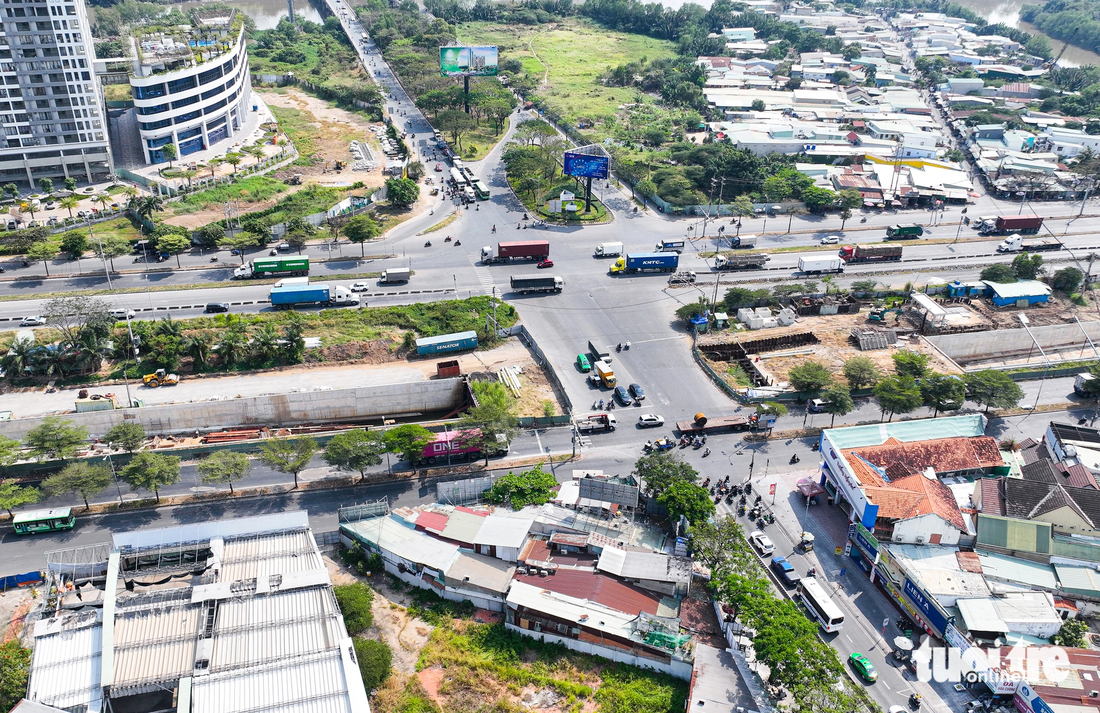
(468, 61)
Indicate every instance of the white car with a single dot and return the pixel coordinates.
(761, 542)
(830, 240)
(650, 420)
(122, 313)
(32, 321)
(360, 286)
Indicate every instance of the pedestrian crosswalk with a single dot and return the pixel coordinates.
(484, 276)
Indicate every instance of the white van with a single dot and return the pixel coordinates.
(469, 192)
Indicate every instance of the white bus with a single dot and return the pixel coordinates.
(820, 605)
(459, 179)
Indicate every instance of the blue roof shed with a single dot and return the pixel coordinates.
(1027, 292)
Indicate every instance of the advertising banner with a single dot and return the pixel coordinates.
(468, 61)
(865, 541)
(926, 606)
(581, 165)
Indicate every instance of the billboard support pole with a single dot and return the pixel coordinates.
(588, 195)
(466, 83)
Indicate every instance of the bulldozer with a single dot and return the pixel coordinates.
(160, 378)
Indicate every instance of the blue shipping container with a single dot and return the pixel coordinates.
(652, 261)
(446, 343)
(299, 294)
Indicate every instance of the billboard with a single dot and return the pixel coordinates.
(468, 61)
(581, 165)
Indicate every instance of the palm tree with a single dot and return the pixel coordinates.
(131, 193)
(233, 344)
(213, 164)
(19, 359)
(168, 327)
(256, 152)
(234, 160)
(197, 347)
(103, 199)
(265, 343)
(148, 205)
(69, 202)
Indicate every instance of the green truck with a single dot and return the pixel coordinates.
(904, 231)
(272, 267)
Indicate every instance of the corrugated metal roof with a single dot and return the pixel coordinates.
(905, 431)
(596, 587)
(572, 609)
(406, 543)
(981, 615)
(278, 553)
(481, 571)
(158, 644)
(462, 527)
(1011, 569)
(643, 565)
(501, 531)
(1082, 580)
(313, 684)
(1016, 290)
(65, 670)
(258, 629)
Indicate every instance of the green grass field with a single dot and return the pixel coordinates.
(576, 53)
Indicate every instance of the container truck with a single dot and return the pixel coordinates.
(1004, 225)
(740, 262)
(396, 274)
(458, 445)
(596, 422)
(904, 231)
(670, 246)
(646, 262)
(272, 267)
(871, 253)
(608, 250)
(444, 343)
(537, 283)
(518, 250)
(743, 241)
(1016, 244)
(818, 263)
(292, 296)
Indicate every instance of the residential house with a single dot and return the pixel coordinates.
(1076, 449)
(1030, 614)
(739, 34)
(654, 571)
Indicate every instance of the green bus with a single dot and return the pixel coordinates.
(480, 190)
(27, 523)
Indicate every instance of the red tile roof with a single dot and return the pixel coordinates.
(943, 455)
(595, 587)
(993, 502)
(914, 496)
(479, 513)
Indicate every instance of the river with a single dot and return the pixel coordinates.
(266, 13)
(1008, 12)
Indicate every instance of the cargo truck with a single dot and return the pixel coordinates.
(597, 353)
(687, 277)
(1016, 244)
(871, 253)
(605, 373)
(458, 445)
(702, 424)
(743, 241)
(596, 422)
(396, 274)
(1004, 225)
(646, 262)
(1080, 384)
(292, 296)
(519, 250)
(537, 283)
(669, 246)
(819, 263)
(272, 267)
(904, 231)
(740, 262)
(608, 250)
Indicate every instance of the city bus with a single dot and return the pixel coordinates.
(27, 523)
(480, 190)
(820, 605)
(458, 178)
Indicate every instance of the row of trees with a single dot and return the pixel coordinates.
(670, 481)
(1026, 266)
(912, 385)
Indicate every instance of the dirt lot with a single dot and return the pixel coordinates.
(1056, 311)
(833, 350)
(330, 130)
(14, 606)
(194, 221)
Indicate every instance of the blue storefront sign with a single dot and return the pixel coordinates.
(925, 606)
(865, 541)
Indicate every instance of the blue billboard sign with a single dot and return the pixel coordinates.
(925, 606)
(581, 165)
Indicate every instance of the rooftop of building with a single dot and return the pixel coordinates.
(1022, 288)
(603, 589)
(969, 426)
(1030, 499)
(653, 566)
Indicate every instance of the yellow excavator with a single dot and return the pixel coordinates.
(160, 378)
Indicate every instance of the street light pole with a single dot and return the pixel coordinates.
(1025, 322)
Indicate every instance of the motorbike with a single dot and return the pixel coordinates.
(619, 347)
(744, 499)
(741, 510)
(273, 252)
(213, 258)
(754, 513)
(1082, 421)
(757, 501)
(627, 346)
(717, 499)
(494, 228)
(794, 459)
(816, 446)
(611, 404)
(706, 452)
(428, 244)
(748, 488)
(649, 446)
(915, 701)
(447, 239)
(812, 572)
(525, 216)
(457, 243)
(863, 219)
(601, 404)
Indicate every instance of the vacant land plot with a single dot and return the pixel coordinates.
(570, 57)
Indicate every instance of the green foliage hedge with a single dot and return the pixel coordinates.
(355, 604)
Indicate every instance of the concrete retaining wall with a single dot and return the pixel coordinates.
(281, 410)
(971, 346)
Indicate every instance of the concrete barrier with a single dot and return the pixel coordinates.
(1000, 343)
(368, 402)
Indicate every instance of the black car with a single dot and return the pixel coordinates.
(622, 396)
(217, 307)
(785, 571)
(636, 392)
